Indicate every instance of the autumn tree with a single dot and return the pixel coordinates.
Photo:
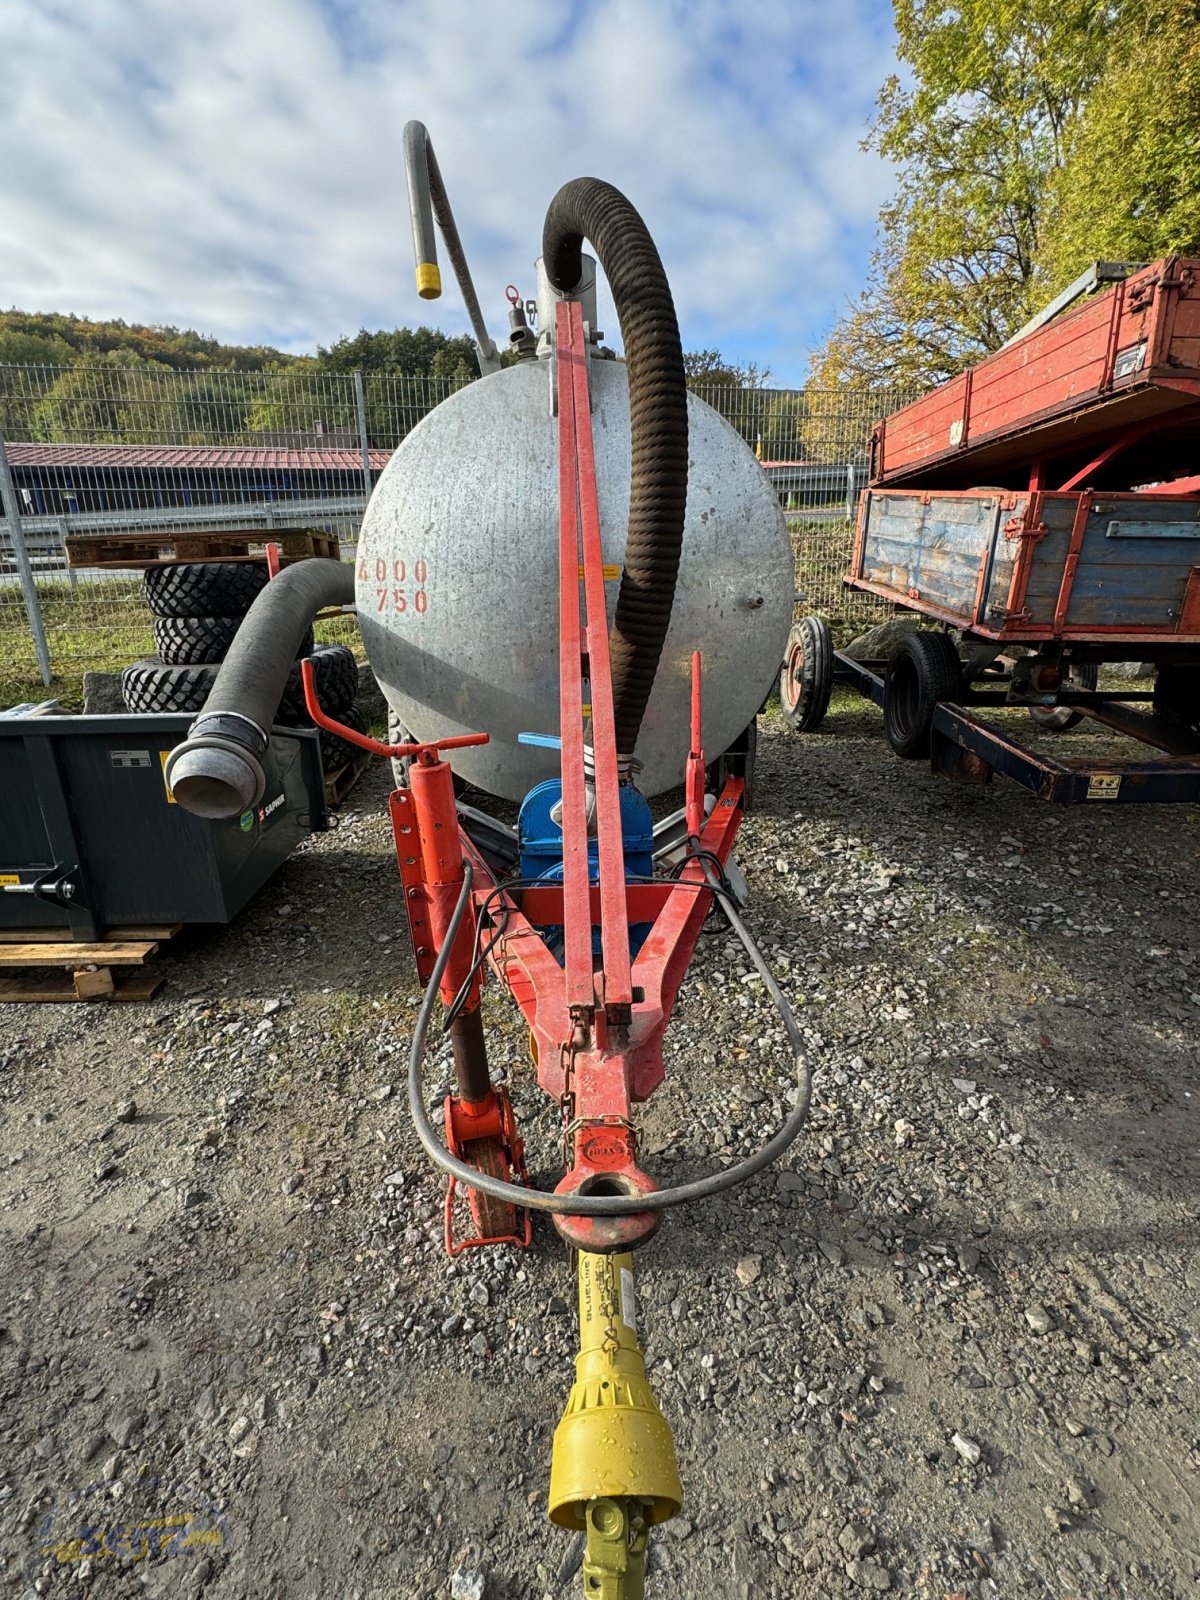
(977, 130)
(1129, 186)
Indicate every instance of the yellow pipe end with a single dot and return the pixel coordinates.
(429, 280)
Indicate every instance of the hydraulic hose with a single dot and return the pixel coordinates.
(217, 771)
(588, 208)
(605, 1205)
(427, 199)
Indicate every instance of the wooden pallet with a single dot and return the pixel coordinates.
(96, 971)
(339, 784)
(147, 547)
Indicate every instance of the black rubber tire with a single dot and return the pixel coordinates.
(1177, 693)
(149, 686)
(806, 677)
(337, 685)
(397, 733)
(922, 671)
(183, 641)
(1060, 719)
(152, 686)
(335, 752)
(204, 588)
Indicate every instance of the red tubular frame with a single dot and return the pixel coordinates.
(597, 1028)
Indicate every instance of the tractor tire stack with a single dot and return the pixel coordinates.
(198, 607)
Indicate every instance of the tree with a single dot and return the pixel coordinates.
(708, 369)
(411, 352)
(977, 135)
(296, 399)
(1129, 187)
(114, 398)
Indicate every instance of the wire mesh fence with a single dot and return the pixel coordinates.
(104, 468)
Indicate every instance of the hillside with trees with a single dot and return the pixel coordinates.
(70, 378)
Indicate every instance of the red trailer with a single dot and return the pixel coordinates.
(1081, 547)
(1123, 364)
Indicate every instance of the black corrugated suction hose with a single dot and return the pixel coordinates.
(588, 208)
(217, 771)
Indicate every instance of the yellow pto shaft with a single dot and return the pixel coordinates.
(612, 1471)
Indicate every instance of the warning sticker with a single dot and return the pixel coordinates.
(129, 758)
(611, 574)
(1104, 786)
(162, 761)
(9, 877)
(628, 1300)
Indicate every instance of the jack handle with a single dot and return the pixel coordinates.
(427, 753)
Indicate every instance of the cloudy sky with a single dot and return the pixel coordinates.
(235, 165)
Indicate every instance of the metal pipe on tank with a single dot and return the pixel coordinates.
(427, 199)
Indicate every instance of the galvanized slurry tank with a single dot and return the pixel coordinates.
(457, 577)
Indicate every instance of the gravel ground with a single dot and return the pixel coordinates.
(948, 1349)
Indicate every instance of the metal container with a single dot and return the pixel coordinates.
(90, 837)
(458, 577)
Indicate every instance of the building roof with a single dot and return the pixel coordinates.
(202, 457)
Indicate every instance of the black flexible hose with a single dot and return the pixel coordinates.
(588, 208)
(597, 1205)
(217, 771)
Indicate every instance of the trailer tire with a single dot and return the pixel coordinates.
(149, 686)
(337, 753)
(806, 677)
(922, 671)
(204, 588)
(1177, 693)
(184, 641)
(1058, 719)
(336, 674)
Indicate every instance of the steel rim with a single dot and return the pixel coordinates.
(794, 676)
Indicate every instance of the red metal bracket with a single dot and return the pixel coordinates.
(473, 1126)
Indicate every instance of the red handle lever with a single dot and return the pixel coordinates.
(364, 740)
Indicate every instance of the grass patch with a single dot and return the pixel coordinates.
(93, 627)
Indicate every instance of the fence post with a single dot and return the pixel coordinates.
(360, 402)
(12, 510)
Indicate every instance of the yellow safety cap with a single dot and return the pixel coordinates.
(612, 1442)
(429, 280)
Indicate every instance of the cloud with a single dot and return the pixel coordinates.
(237, 167)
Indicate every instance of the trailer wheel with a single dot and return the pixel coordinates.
(1057, 719)
(1177, 693)
(806, 677)
(337, 753)
(922, 671)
